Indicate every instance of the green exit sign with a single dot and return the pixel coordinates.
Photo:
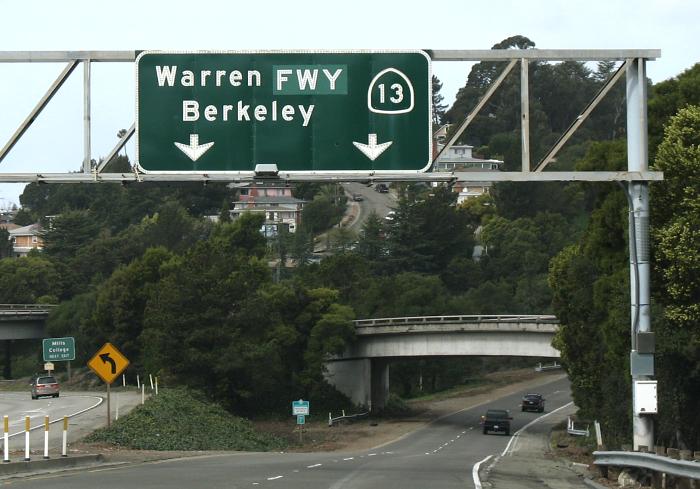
(365, 111)
(59, 349)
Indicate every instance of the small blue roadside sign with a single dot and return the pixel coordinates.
(301, 419)
(300, 407)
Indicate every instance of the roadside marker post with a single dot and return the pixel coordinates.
(6, 439)
(46, 437)
(143, 394)
(27, 427)
(64, 449)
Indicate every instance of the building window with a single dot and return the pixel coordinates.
(34, 240)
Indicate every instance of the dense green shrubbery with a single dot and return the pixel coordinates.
(396, 407)
(180, 419)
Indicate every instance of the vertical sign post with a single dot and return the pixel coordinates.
(108, 363)
(300, 409)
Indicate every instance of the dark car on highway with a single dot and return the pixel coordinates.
(496, 420)
(533, 402)
(381, 188)
(44, 385)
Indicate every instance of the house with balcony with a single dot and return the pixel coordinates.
(459, 158)
(274, 201)
(25, 239)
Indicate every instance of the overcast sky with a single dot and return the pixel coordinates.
(54, 143)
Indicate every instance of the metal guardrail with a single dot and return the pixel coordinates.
(349, 417)
(571, 429)
(542, 368)
(650, 461)
(533, 318)
(25, 307)
(24, 311)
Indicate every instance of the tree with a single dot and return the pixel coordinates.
(676, 236)
(68, 232)
(427, 232)
(371, 243)
(667, 98)
(5, 243)
(120, 304)
(438, 106)
(25, 280)
(225, 215)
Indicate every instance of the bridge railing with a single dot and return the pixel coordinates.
(15, 310)
(472, 318)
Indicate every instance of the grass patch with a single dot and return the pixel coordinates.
(179, 419)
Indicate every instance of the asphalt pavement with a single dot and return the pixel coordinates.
(441, 455)
(528, 463)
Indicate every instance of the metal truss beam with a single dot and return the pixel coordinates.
(94, 174)
(435, 54)
(122, 142)
(542, 54)
(43, 102)
(476, 176)
(494, 86)
(579, 120)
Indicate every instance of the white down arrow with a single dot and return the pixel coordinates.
(372, 150)
(194, 150)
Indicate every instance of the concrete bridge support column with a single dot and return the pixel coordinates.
(7, 371)
(365, 381)
(352, 378)
(380, 384)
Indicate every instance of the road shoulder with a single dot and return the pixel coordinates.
(530, 463)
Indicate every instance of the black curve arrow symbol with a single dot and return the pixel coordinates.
(106, 358)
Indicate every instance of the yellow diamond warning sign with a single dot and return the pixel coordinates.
(108, 363)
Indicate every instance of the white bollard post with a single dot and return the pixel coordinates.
(64, 450)
(123, 380)
(143, 393)
(138, 382)
(156, 386)
(7, 439)
(150, 377)
(46, 437)
(27, 425)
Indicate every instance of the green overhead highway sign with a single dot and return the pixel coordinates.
(306, 112)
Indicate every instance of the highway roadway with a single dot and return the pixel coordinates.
(441, 455)
(381, 203)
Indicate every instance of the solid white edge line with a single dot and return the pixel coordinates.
(536, 420)
(475, 472)
(41, 426)
(312, 466)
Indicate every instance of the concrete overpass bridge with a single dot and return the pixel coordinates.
(21, 322)
(362, 372)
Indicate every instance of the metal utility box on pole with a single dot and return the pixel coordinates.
(637, 160)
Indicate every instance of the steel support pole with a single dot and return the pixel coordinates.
(637, 160)
(525, 115)
(87, 165)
